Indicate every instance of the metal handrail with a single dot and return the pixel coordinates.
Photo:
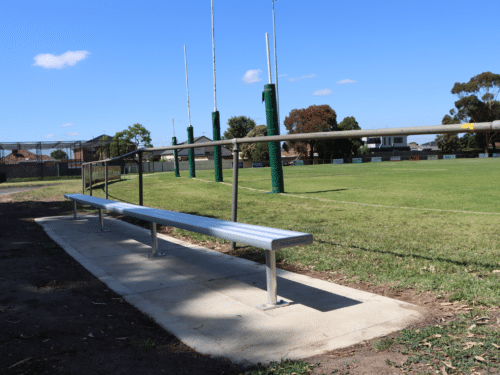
(414, 130)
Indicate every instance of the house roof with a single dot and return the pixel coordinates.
(414, 146)
(430, 144)
(98, 139)
(21, 156)
(39, 145)
(95, 142)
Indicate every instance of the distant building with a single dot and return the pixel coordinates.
(430, 146)
(200, 153)
(392, 143)
(415, 147)
(96, 149)
(24, 156)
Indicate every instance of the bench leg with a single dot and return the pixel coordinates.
(101, 221)
(75, 217)
(271, 283)
(154, 240)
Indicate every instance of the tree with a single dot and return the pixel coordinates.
(448, 143)
(59, 155)
(467, 142)
(238, 127)
(471, 108)
(119, 145)
(256, 151)
(135, 134)
(364, 150)
(316, 118)
(348, 146)
(138, 135)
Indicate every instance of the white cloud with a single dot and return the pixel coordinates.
(324, 92)
(67, 124)
(49, 136)
(345, 81)
(282, 75)
(298, 79)
(252, 76)
(49, 61)
(72, 134)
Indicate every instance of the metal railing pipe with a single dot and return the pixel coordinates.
(415, 130)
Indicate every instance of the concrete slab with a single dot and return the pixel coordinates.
(208, 299)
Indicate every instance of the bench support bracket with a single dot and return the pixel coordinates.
(271, 283)
(154, 245)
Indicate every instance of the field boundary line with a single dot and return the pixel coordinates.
(360, 204)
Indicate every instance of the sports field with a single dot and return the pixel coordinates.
(432, 225)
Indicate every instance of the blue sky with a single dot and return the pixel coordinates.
(73, 70)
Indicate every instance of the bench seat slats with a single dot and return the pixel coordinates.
(254, 235)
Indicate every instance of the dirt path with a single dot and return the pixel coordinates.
(55, 317)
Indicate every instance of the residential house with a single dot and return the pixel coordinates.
(200, 153)
(96, 149)
(24, 156)
(415, 147)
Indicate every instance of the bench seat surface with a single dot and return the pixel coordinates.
(253, 235)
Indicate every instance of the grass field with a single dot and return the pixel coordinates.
(431, 225)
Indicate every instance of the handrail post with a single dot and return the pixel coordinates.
(106, 179)
(140, 179)
(90, 177)
(83, 178)
(234, 205)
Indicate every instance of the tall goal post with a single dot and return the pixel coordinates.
(215, 116)
(217, 149)
(273, 128)
(269, 96)
(192, 172)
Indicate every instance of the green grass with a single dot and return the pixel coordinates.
(284, 367)
(430, 225)
(468, 343)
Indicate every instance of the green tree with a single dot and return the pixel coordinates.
(238, 127)
(471, 108)
(136, 135)
(119, 145)
(256, 151)
(316, 118)
(59, 155)
(364, 150)
(448, 143)
(348, 146)
(467, 142)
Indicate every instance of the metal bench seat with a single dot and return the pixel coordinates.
(266, 238)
